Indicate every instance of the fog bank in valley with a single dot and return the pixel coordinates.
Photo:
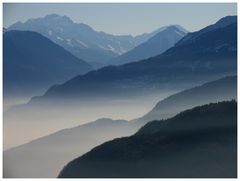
(22, 125)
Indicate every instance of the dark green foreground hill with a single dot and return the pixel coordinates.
(197, 143)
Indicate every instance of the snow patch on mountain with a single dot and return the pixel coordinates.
(179, 33)
(82, 43)
(113, 49)
(59, 38)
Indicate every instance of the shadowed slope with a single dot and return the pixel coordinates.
(214, 91)
(201, 142)
(31, 62)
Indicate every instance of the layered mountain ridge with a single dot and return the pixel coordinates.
(211, 56)
(197, 143)
(81, 40)
(76, 141)
(156, 45)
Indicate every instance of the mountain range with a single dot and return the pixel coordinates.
(200, 56)
(189, 98)
(53, 151)
(95, 47)
(196, 143)
(180, 67)
(32, 63)
(156, 45)
(59, 148)
(175, 139)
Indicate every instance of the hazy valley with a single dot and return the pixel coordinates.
(83, 103)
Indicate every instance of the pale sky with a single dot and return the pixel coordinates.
(124, 18)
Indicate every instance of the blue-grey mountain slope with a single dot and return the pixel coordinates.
(80, 39)
(32, 63)
(210, 54)
(189, 98)
(156, 45)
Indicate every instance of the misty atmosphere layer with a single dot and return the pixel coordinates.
(82, 103)
(84, 137)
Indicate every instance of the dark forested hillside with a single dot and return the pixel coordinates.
(197, 143)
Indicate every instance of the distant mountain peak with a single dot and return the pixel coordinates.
(57, 18)
(165, 38)
(175, 28)
(78, 38)
(171, 27)
(181, 28)
(54, 15)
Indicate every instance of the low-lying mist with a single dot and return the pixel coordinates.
(25, 123)
(46, 156)
(22, 124)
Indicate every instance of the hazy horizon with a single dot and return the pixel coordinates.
(124, 18)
